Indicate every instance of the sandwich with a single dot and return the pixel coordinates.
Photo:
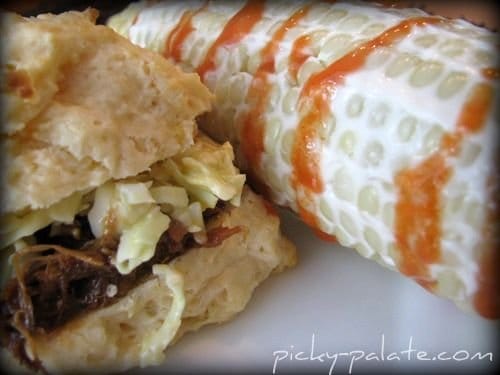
(376, 125)
(122, 227)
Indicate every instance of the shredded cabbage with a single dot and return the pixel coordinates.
(138, 243)
(173, 195)
(154, 344)
(120, 205)
(191, 217)
(206, 171)
(103, 198)
(13, 227)
(134, 193)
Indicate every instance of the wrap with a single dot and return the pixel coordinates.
(376, 125)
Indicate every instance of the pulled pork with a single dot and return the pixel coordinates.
(55, 283)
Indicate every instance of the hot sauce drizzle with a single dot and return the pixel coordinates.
(179, 34)
(315, 109)
(240, 25)
(252, 132)
(299, 54)
(418, 219)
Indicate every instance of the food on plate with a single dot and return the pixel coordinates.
(122, 226)
(376, 125)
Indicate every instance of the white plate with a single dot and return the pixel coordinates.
(350, 305)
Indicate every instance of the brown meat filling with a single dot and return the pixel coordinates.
(55, 283)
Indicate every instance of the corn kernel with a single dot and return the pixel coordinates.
(307, 69)
(406, 128)
(454, 47)
(348, 224)
(426, 41)
(452, 84)
(287, 144)
(379, 115)
(253, 63)
(342, 185)
(352, 23)
(378, 58)
(388, 215)
(343, 238)
(373, 239)
(327, 127)
(403, 63)
(290, 100)
(474, 214)
(373, 29)
(271, 134)
(333, 16)
(425, 73)
(469, 153)
(355, 105)
(374, 153)
(432, 139)
(368, 200)
(325, 209)
(335, 47)
(237, 90)
(347, 143)
(485, 57)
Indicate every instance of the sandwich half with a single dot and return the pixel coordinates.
(121, 226)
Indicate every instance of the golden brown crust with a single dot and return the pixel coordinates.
(82, 105)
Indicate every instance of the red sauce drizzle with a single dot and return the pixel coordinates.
(418, 219)
(236, 29)
(252, 133)
(179, 34)
(299, 54)
(314, 106)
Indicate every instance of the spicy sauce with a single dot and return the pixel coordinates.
(240, 25)
(252, 133)
(419, 206)
(300, 53)
(179, 34)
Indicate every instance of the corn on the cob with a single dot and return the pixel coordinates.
(376, 125)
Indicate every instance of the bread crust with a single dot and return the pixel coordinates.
(83, 105)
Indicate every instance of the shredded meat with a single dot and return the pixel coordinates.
(218, 235)
(74, 274)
